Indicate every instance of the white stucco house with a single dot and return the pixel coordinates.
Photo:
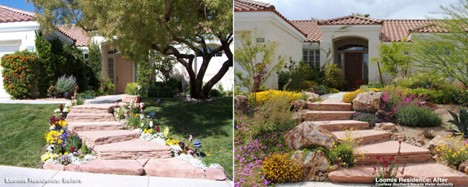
(349, 41)
(18, 32)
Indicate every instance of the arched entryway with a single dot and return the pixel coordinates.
(351, 55)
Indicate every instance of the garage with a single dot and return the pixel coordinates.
(6, 47)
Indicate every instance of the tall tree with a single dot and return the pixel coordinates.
(167, 26)
(445, 53)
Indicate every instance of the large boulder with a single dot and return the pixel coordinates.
(315, 164)
(311, 96)
(368, 102)
(241, 104)
(439, 140)
(307, 134)
(463, 167)
(298, 105)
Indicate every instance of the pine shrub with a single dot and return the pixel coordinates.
(414, 116)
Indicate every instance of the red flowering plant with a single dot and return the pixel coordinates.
(388, 167)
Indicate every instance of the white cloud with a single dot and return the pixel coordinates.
(379, 9)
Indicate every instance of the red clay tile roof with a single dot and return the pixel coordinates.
(8, 14)
(310, 27)
(398, 30)
(392, 30)
(350, 20)
(252, 6)
(256, 6)
(76, 33)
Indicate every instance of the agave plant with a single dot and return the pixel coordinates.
(461, 121)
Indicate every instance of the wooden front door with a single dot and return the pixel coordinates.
(353, 68)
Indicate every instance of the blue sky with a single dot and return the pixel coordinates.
(380, 9)
(19, 4)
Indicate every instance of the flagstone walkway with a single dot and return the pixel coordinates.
(336, 117)
(120, 151)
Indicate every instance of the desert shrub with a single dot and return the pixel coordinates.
(273, 116)
(411, 115)
(264, 96)
(423, 80)
(375, 85)
(88, 94)
(20, 73)
(279, 168)
(460, 121)
(106, 87)
(333, 77)
(65, 84)
(370, 118)
(453, 151)
(131, 88)
(297, 76)
(342, 153)
(322, 89)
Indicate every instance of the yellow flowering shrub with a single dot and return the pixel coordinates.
(349, 97)
(53, 137)
(264, 96)
(453, 152)
(46, 156)
(342, 153)
(279, 168)
(148, 131)
(171, 141)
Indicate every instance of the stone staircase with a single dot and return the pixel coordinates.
(121, 151)
(336, 117)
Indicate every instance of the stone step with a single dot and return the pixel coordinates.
(363, 137)
(314, 115)
(367, 154)
(93, 126)
(339, 125)
(132, 149)
(93, 138)
(364, 174)
(122, 167)
(92, 108)
(89, 117)
(329, 106)
(173, 167)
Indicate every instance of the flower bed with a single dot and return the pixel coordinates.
(134, 117)
(63, 146)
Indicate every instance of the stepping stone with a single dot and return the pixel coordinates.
(133, 149)
(93, 126)
(122, 167)
(88, 117)
(339, 125)
(363, 174)
(329, 106)
(314, 115)
(173, 167)
(367, 154)
(363, 137)
(92, 108)
(215, 174)
(93, 138)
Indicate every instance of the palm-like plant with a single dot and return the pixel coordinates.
(461, 121)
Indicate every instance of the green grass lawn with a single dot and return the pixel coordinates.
(22, 129)
(209, 122)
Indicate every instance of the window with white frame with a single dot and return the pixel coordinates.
(311, 57)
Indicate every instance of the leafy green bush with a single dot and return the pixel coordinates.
(214, 93)
(106, 87)
(65, 84)
(297, 77)
(460, 121)
(411, 115)
(170, 88)
(20, 73)
(423, 80)
(333, 77)
(88, 94)
(132, 88)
